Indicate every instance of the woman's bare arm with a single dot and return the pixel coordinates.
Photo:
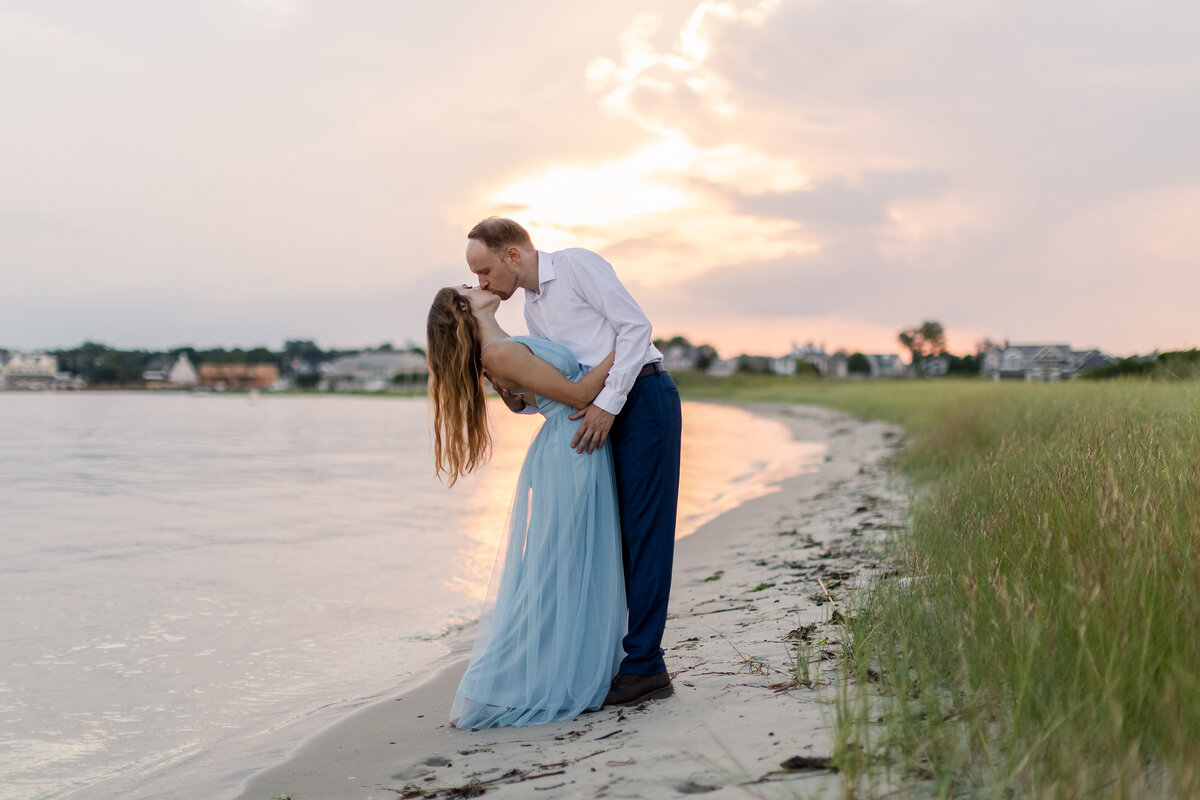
(515, 363)
(593, 382)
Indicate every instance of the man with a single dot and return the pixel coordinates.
(574, 297)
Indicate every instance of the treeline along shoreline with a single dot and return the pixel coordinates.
(301, 365)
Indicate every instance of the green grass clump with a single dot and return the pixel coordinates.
(1050, 644)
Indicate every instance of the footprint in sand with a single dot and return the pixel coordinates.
(421, 769)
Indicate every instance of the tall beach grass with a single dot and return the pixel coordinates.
(1049, 642)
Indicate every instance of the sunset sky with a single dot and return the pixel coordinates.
(759, 173)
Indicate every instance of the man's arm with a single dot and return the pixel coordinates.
(599, 286)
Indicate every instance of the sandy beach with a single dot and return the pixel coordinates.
(749, 588)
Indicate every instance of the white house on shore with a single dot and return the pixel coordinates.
(375, 372)
(164, 372)
(28, 370)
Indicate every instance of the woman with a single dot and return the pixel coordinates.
(549, 640)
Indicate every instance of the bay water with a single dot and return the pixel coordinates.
(191, 583)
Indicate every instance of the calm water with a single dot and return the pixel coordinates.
(191, 583)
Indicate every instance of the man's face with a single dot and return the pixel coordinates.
(497, 274)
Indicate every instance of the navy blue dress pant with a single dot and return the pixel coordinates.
(645, 442)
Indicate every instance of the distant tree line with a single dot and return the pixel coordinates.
(964, 365)
(98, 363)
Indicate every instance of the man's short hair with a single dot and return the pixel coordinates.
(498, 233)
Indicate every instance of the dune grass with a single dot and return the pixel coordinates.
(1049, 645)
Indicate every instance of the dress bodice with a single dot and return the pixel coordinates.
(562, 359)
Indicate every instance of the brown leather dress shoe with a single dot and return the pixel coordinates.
(628, 690)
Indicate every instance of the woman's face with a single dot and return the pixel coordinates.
(480, 299)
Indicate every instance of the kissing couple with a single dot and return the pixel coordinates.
(578, 601)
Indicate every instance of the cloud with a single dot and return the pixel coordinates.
(989, 165)
(1016, 169)
(645, 73)
(864, 201)
(671, 204)
(272, 10)
(23, 32)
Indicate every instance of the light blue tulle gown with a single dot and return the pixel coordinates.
(549, 640)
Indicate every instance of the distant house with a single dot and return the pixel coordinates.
(886, 365)
(157, 369)
(28, 370)
(723, 367)
(762, 365)
(828, 365)
(785, 365)
(681, 356)
(67, 381)
(678, 357)
(238, 377)
(1088, 360)
(1039, 362)
(838, 366)
(935, 366)
(375, 372)
(164, 371)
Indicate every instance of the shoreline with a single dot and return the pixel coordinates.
(749, 587)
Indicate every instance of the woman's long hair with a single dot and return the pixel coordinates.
(461, 440)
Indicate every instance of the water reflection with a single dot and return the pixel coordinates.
(184, 576)
(488, 499)
(731, 456)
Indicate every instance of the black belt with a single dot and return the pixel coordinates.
(653, 368)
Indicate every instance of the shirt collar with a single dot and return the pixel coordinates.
(546, 274)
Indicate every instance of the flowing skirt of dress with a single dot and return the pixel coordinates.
(549, 640)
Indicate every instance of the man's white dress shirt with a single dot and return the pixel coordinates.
(582, 304)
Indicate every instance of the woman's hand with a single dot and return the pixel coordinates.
(512, 395)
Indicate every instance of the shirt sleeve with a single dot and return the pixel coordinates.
(599, 286)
